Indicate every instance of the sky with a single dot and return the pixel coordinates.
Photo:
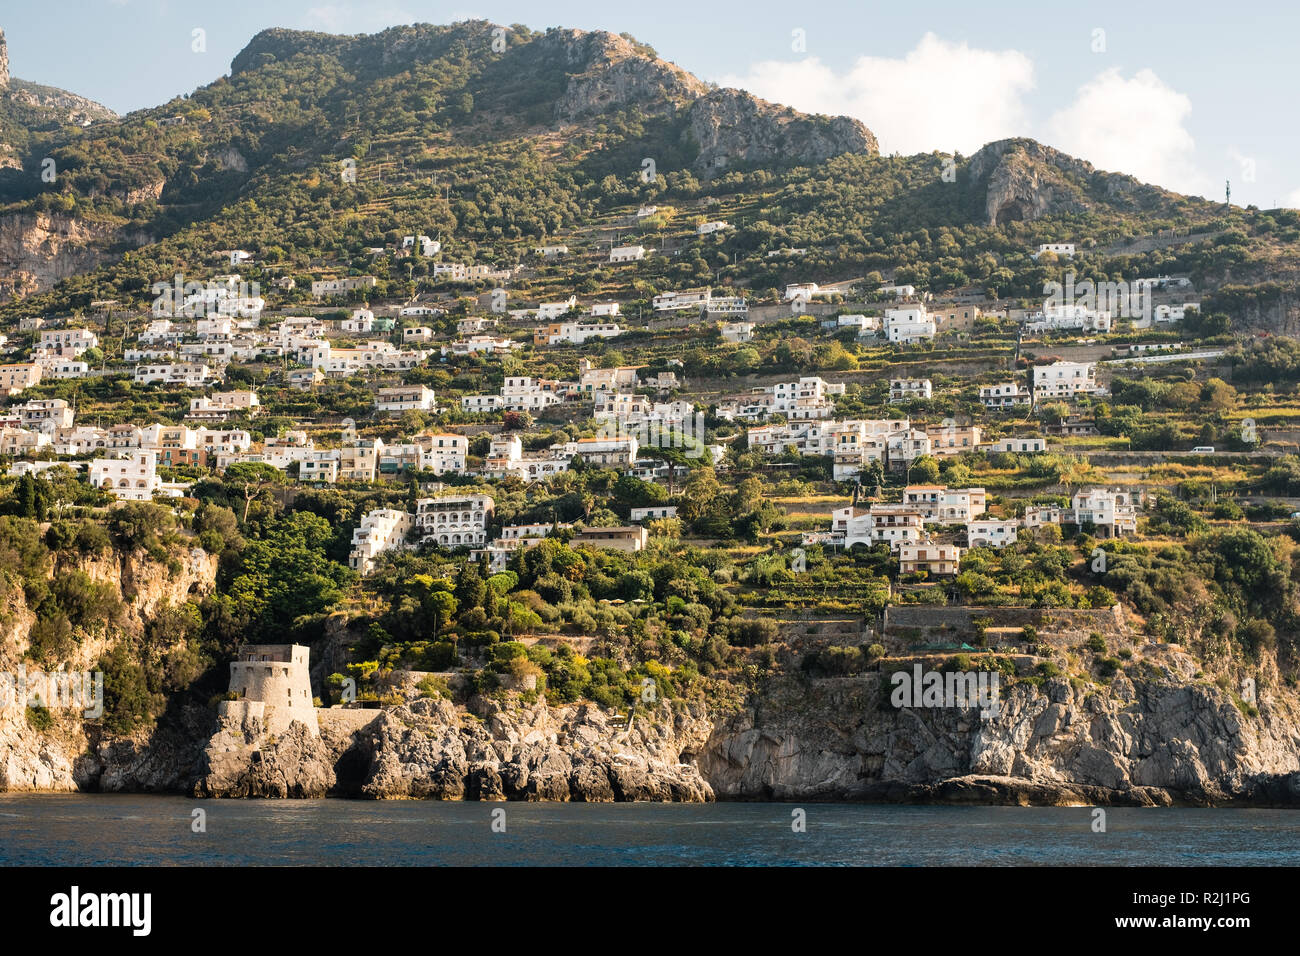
(1184, 95)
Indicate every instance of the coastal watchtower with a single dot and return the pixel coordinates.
(273, 686)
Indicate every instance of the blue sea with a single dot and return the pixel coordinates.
(129, 830)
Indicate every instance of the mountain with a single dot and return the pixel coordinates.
(495, 138)
(26, 107)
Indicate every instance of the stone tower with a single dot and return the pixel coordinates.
(4, 62)
(273, 687)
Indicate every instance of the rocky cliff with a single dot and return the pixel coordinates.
(1142, 742)
(609, 72)
(53, 105)
(1020, 180)
(731, 125)
(39, 249)
(75, 754)
(431, 749)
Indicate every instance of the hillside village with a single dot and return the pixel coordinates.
(493, 413)
(196, 341)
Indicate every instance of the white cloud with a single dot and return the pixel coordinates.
(1132, 125)
(939, 96)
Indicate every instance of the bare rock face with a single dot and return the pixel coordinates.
(731, 125)
(163, 760)
(610, 72)
(1146, 743)
(430, 750)
(57, 105)
(39, 249)
(242, 761)
(1025, 180)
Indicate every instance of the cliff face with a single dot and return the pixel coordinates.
(71, 754)
(607, 72)
(1024, 180)
(55, 105)
(610, 72)
(1020, 180)
(1141, 743)
(39, 249)
(430, 750)
(731, 125)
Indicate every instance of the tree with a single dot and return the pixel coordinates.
(923, 470)
(249, 479)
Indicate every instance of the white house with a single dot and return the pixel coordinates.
(380, 530)
(441, 453)
(892, 524)
(1004, 395)
(681, 300)
(1064, 379)
(738, 331)
(626, 253)
(134, 478)
(908, 325)
(991, 532)
(190, 374)
(405, 398)
(575, 333)
(553, 310)
(1059, 248)
(652, 513)
(909, 390)
(1025, 446)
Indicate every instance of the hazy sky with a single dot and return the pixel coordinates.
(1185, 95)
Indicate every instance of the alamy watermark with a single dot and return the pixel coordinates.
(228, 298)
(961, 689)
(57, 690)
(1087, 303)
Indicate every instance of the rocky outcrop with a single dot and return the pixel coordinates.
(431, 750)
(73, 753)
(4, 62)
(39, 249)
(1020, 180)
(1023, 180)
(1139, 743)
(733, 126)
(609, 72)
(51, 104)
(241, 760)
(729, 126)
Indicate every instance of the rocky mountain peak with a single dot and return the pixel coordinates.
(4, 61)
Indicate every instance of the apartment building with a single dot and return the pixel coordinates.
(1064, 380)
(380, 530)
(453, 520)
(1004, 395)
(405, 398)
(930, 558)
(909, 390)
(940, 504)
(948, 439)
